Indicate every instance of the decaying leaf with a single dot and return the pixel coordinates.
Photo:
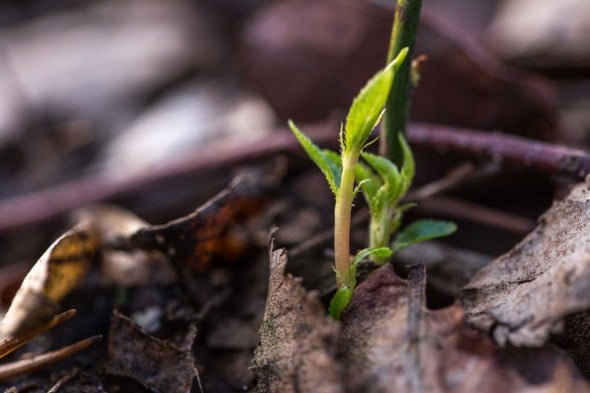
(296, 352)
(523, 296)
(391, 343)
(156, 364)
(53, 276)
(206, 233)
(114, 225)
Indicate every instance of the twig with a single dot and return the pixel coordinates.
(46, 204)
(65, 379)
(461, 209)
(505, 150)
(9, 344)
(20, 367)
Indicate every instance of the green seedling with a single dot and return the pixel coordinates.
(382, 184)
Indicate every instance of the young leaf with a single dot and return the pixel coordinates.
(359, 186)
(409, 167)
(367, 107)
(361, 173)
(335, 162)
(388, 172)
(318, 157)
(339, 302)
(422, 230)
(381, 252)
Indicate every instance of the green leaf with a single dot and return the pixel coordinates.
(388, 172)
(367, 108)
(420, 231)
(381, 252)
(339, 302)
(335, 163)
(359, 186)
(409, 168)
(361, 173)
(319, 158)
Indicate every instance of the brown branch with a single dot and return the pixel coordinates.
(14, 369)
(455, 208)
(502, 149)
(505, 150)
(40, 206)
(9, 344)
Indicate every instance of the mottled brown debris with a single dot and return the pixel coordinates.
(523, 296)
(297, 339)
(391, 343)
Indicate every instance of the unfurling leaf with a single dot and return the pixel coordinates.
(422, 230)
(318, 157)
(381, 252)
(389, 173)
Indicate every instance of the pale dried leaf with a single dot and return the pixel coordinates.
(391, 343)
(523, 296)
(297, 338)
(59, 270)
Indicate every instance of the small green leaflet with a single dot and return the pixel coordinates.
(326, 165)
(339, 302)
(420, 231)
(367, 108)
(409, 168)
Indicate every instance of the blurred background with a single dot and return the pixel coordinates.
(98, 96)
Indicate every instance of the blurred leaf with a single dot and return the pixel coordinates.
(59, 270)
(422, 230)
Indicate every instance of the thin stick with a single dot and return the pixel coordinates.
(65, 379)
(505, 150)
(502, 149)
(9, 344)
(461, 209)
(20, 367)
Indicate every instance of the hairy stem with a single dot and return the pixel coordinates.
(342, 214)
(405, 27)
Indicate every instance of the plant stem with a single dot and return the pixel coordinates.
(404, 29)
(342, 212)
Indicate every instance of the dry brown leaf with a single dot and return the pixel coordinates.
(297, 338)
(114, 225)
(195, 239)
(523, 296)
(391, 343)
(59, 270)
(156, 364)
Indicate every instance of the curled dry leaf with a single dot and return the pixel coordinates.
(156, 364)
(54, 275)
(391, 343)
(194, 240)
(114, 225)
(296, 352)
(523, 296)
